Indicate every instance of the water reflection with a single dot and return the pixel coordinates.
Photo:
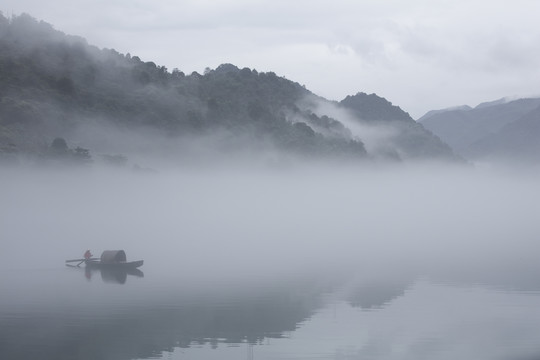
(108, 275)
(138, 321)
(377, 295)
(117, 276)
(437, 314)
(427, 321)
(409, 317)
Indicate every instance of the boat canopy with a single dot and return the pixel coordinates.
(113, 256)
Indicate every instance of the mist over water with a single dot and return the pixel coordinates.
(207, 235)
(238, 222)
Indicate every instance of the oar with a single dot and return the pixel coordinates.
(80, 260)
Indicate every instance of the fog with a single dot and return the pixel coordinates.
(378, 138)
(240, 223)
(154, 149)
(237, 254)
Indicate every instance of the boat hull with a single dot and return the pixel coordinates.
(114, 265)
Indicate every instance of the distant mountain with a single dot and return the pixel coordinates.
(518, 141)
(465, 128)
(55, 86)
(438, 112)
(500, 101)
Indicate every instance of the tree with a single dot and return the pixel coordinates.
(65, 85)
(82, 155)
(59, 146)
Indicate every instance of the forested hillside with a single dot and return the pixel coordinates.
(54, 86)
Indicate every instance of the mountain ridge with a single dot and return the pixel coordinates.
(56, 85)
(462, 129)
(517, 141)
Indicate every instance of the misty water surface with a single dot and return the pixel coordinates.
(387, 263)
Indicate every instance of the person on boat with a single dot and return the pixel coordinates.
(87, 254)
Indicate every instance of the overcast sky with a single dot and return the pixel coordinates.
(419, 54)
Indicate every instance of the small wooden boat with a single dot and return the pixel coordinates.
(110, 259)
(116, 265)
